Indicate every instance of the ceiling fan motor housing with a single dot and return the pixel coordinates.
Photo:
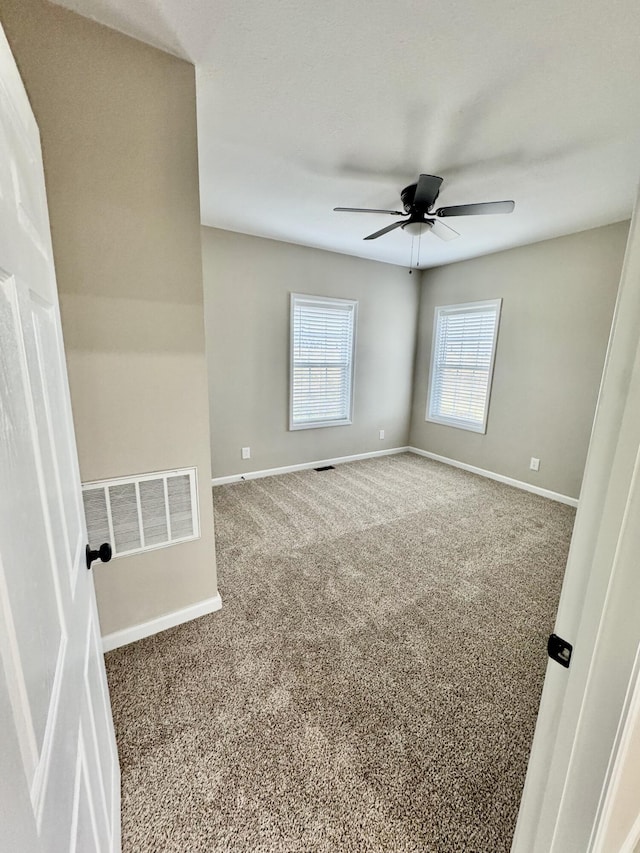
(417, 223)
(407, 195)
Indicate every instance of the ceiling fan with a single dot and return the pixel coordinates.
(419, 200)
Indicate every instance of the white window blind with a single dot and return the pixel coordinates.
(462, 358)
(322, 350)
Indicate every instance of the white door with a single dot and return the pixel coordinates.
(59, 776)
(581, 707)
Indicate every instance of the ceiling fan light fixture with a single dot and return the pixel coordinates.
(415, 229)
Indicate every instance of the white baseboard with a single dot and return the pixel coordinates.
(287, 469)
(154, 626)
(501, 478)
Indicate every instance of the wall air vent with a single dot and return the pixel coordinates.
(143, 512)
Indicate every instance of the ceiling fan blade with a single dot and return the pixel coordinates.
(444, 232)
(477, 209)
(369, 210)
(382, 231)
(427, 191)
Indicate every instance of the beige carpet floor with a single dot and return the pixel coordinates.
(372, 681)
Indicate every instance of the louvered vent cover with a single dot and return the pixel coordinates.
(143, 512)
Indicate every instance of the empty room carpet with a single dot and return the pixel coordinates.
(372, 681)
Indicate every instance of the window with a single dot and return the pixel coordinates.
(322, 350)
(462, 356)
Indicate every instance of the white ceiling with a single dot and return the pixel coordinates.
(305, 105)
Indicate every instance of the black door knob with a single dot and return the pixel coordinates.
(103, 553)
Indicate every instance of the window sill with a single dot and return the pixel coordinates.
(320, 424)
(480, 428)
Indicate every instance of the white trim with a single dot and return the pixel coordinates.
(320, 424)
(501, 478)
(340, 460)
(465, 307)
(154, 626)
(302, 466)
(167, 513)
(630, 844)
(107, 503)
(629, 722)
(139, 511)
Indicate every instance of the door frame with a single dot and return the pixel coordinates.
(575, 734)
(615, 824)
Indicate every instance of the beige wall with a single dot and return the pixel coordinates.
(247, 285)
(118, 126)
(558, 299)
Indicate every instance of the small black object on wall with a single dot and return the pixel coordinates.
(103, 553)
(559, 650)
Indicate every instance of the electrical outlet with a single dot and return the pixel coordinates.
(381, 434)
(246, 453)
(534, 464)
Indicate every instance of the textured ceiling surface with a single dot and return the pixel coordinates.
(304, 106)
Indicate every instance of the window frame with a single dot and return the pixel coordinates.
(439, 311)
(328, 300)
